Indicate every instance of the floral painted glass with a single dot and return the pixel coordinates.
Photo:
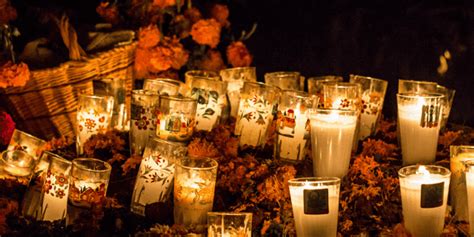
(457, 188)
(194, 187)
(55, 190)
(93, 116)
(293, 129)
(416, 87)
(235, 78)
(143, 119)
(210, 96)
(255, 113)
(229, 224)
(373, 94)
(315, 84)
(163, 86)
(26, 142)
(342, 95)
(285, 80)
(89, 181)
(155, 176)
(447, 102)
(176, 118)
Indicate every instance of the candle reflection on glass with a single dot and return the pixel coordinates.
(176, 118)
(458, 193)
(470, 193)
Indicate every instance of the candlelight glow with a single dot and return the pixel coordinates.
(423, 171)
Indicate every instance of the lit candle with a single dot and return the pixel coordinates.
(458, 192)
(18, 163)
(470, 193)
(332, 134)
(176, 118)
(315, 203)
(229, 224)
(424, 192)
(26, 142)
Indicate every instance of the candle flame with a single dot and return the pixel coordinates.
(422, 170)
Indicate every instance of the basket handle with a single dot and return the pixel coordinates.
(69, 37)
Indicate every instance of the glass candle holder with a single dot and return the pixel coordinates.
(176, 118)
(470, 193)
(424, 192)
(17, 165)
(285, 80)
(235, 78)
(419, 117)
(416, 87)
(373, 94)
(255, 113)
(458, 194)
(94, 115)
(315, 203)
(163, 86)
(211, 99)
(315, 84)
(332, 135)
(293, 129)
(143, 119)
(55, 190)
(155, 176)
(342, 95)
(189, 76)
(115, 88)
(26, 142)
(447, 102)
(194, 185)
(233, 224)
(89, 181)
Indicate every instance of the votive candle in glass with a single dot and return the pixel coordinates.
(155, 176)
(458, 194)
(211, 99)
(373, 94)
(176, 118)
(26, 142)
(89, 181)
(143, 119)
(235, 78)
(447, 102)
(189, 76)
(416, 87)
(332, 135)
(470, 193)
(18, 165)
(163, 86)
(419, 117)
(285, 80)
(194, 186)
(424, 192)
(315, 203)
(94, 115)
(342, 95)
(229, 224)
(115, 88)
(293, 126)
(315, 84)
(255, 113)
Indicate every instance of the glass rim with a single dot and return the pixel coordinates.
(342, 84)
(217, 213)
(102, 97)
(416, 81)
(155, 138)
(262, 85)
(177, 98)
(24, 153)
(163, 79)
(236, 68)
(297, 93)
(404, 171)
(314, 180)
(28, 135)
(462, 146)
(213, 163)
(427, 95)
(282, 73)
(368, 78)
(57, 157)
(326, 78)
(108, 167)
(315, 111)
(210, 79)
(202, 74)
(145, 92)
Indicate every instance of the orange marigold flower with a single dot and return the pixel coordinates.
(238, 55)
(14, 74)
(206, 32)
(7, 12)
(142, 57)
(180, 55)
(200, 148)
(160, 59)
(165, 3)
(149, 36)
(220, 12)
(193, 14)
(109, 12)
(212, 61)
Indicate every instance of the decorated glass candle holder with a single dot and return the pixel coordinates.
(55, 190)
(416, 87)
(315, 203)
(211, 99)
(419, 117)
(155, 176)
(231, 224)
(285, 80)
(342, 95)
(447, 102)
(373, 94)
(26, 142)
(470, 193)
(17, 165)
(163, 86)
(332, 135)
(459, 155)
(115, 88)
(235, 78)
(89, 181)
(315, 84)
(255, 113)
(194, 184)
(293, 129)
(94, 114)
(143, 119)
(189, 77)
(176, 118)
(424, 192)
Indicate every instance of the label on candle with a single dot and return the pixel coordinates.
(432, 195)
(430, 116)
(316, 201)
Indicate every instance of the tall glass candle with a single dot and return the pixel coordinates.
(26, 142)
(255, 113)
(470, 193)
(211, 99)
(315, 84)
(176, 118)
(189, 77)
(419, 116)
(285, 80)
(143, 119)
(115, 88)
(373, 94)
(315, 203)
(424, 191)
(416, 87)
(163, 86)
(293, 129)
(458, 194)
(94, 114)
(194, 185)
(447, 102)
(155, 176)
(229, 224)
(332, 134)
(235, 78)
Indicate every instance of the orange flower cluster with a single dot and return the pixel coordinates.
(201, 148)
(14, 74)
(193, 14)
(7, 12)
(220, 12)
(238, 55)
(149, 36)
(109, 12)
(206, 32)
(165, 3)
(212, 61)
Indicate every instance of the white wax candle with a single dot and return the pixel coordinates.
(142, 126)
(470, 197)
(292, 134)
(253, 120)
(55, 194)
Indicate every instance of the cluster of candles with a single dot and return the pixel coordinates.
(329, 119)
